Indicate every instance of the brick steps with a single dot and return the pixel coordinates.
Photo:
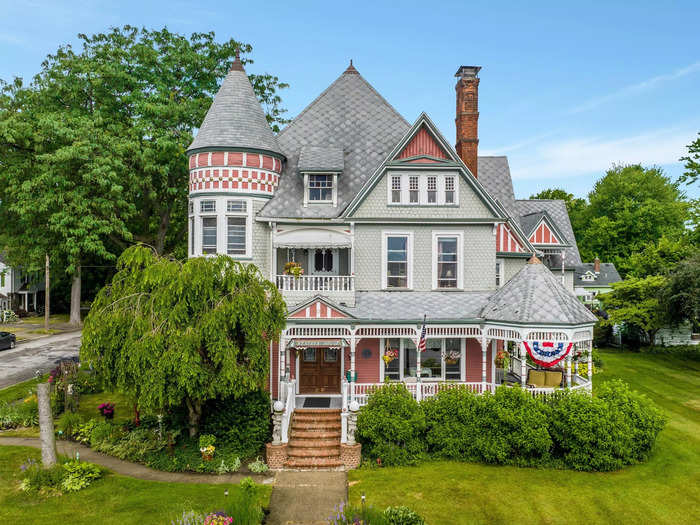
(314, 440)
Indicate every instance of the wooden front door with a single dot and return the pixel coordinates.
(319, 371)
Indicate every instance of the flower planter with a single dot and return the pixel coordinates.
(207, 457)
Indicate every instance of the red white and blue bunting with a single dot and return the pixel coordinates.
(547, 353)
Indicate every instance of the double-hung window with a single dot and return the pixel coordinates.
(321, 188)
(432, 190)
(447, 260)
(413, 194)
(449, 190)
(396, 189)
(499, 273)
(209, 235)
(237, 227)
(396, 260)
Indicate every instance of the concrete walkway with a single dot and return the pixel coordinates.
(306, 497)
(135, 470)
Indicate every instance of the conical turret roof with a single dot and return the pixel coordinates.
(536, 296)
(235, 118)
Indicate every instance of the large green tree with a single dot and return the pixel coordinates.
(635, 303)
(92, 152)
(169, 333)
(575, 206)
(628, 208)
(680, 297)
(692, 163)
(659, 258)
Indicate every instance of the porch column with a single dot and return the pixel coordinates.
(417, 361)
(352, 357)
(568, 371)
(590, 362)
(283, 358)
(483, 363)
(523, 364)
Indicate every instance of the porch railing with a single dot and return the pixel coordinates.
(288, 397)
(316, 283)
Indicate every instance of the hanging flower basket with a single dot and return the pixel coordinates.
(451, 357)
(294, 269)
(390, 355)
(502, 359)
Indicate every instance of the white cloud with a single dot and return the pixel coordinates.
(633, 89)
(579, 156)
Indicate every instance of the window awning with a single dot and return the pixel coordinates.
(312, 238)
(301, 344)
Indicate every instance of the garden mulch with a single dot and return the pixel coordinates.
(135, 470)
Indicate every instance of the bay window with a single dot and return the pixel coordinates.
(236, 239)
(208, 235)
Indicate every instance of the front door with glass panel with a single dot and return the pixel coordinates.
(319, 371)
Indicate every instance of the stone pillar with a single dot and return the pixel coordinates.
(276, 452)
(277, 411)
(351, 452)
(48, 440)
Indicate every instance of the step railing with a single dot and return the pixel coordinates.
(316, 283)
(289, 397)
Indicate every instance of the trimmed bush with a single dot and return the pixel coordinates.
(508, 427)
(244, 423)
(616, 428)
(391, 427)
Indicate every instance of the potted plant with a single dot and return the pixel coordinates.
(206, 446)
(502, 359)
(293, 268)
(390, 354)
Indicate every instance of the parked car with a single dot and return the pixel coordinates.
(7, 340)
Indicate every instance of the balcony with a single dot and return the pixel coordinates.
(316, 283)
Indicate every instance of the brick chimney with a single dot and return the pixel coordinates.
(467, 119)
(596, 265)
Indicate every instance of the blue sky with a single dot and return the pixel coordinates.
(565, 91)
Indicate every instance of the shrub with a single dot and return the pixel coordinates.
(69, 424)
(509, 426)
(616, 428)
(258, 466)
(206, 440)
(136, 445)
(391, 426)
(87, 382)
(402, 516)
(19, 414)
(79, 475)
(244, 423)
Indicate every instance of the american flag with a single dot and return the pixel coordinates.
(421, 341)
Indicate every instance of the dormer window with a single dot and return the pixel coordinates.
(588, 276)
(423, 190)
(320, 188)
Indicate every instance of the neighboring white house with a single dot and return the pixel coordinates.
(594, 279)
(17, 290)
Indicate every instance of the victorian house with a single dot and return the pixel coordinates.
(401, 257)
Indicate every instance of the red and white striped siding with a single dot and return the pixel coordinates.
(506, 241)
(543, 235)
(318, 310)
(422, 143)
(229, 171)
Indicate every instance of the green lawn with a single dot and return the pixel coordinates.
(113, 499)
(20, 390)
(664, 490)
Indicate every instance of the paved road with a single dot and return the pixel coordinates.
(25, 359)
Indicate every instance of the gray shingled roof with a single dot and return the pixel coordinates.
(351, 116)
(236, 119)
(607, 276)
(556, 209)
(411, 306)
(320, 158)
(536, 296)
(494, 176)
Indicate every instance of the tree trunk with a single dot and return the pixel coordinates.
(194, 409)
(48, 442)
(162, 231)
(75, 299)
(137, 415)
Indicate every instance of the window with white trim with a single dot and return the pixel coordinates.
(423, 190)
(500, 270)
(236, 206)
(208, 235)
(191, 235)
(447, 260)
(397, 253)
(449, 190)
(320, 188)
(236, 236)
(413, 192)
(208, 206)
(396, 189)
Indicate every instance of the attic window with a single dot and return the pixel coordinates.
(320, 187)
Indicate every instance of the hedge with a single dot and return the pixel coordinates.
(615, 428)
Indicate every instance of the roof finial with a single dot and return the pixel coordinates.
(351, 69)
(534, 260)
(237, 64)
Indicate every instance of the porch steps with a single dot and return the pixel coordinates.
(314, 440)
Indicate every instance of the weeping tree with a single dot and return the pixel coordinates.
(170, 334)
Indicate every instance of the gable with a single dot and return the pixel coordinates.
(506, 240)
(422, 149)
(543, 234)
(317, 309)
